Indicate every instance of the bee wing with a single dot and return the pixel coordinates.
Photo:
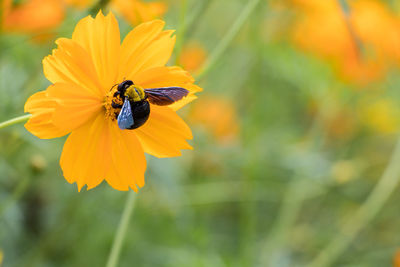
(125, 119)
(165, 95)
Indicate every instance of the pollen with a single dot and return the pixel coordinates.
(112, 112)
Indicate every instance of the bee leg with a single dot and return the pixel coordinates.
(115, 105)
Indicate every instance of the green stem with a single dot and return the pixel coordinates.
(195, 16)
(182, 30)
(15, 120)
(1, 15)
(296, 193)
(113, 257)
(98, 6)
(16, 195)
(346, 12)
(188, 23)
(227, 39)
(375, 201)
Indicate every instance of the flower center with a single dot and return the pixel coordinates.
(113, 104)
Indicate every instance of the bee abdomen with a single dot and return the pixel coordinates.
(140, 112)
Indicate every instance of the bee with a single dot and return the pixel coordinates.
(135, 109)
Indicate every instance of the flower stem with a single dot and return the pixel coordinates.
(182, 30)
(375, 201)
(227, 39)
(15, 120)
(101, 4)
(296, 193)
(1, 16)
(356, 41)
(195, 16)
(113, 257)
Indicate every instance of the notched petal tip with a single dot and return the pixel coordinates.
(79, 187)
(100, 13)
(154, 23)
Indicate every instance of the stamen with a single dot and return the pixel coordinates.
(110, 103)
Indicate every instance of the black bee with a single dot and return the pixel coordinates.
(135, 109)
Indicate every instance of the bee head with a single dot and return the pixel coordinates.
(122, 87)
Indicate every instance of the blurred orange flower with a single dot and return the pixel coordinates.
(32, 16)
(193, 56)
(80, 3)
(218, 116)
(84, 71)
(134, 11)
(361, 48)
(396, 259)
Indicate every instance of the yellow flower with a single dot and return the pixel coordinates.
(32, 15)
(83, 71)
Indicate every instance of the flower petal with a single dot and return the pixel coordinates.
(70, 63)
(169, 76)
(164, 134)
(145, 47)
(86, 154)
(99, 150)
(129, 162)
(74, 105)
(100, 37)
(40, 124)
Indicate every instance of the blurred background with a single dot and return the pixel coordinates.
(297, 122)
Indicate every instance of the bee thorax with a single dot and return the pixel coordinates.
(135, 93)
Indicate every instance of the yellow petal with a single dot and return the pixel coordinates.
(99, 150)
(70, 63)
(86, 154)
(183, 102)
(129, 162)
(145, 47)
(42, 109)
(169, 76)
(164, 134)
(100, 37)
(74, 105)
